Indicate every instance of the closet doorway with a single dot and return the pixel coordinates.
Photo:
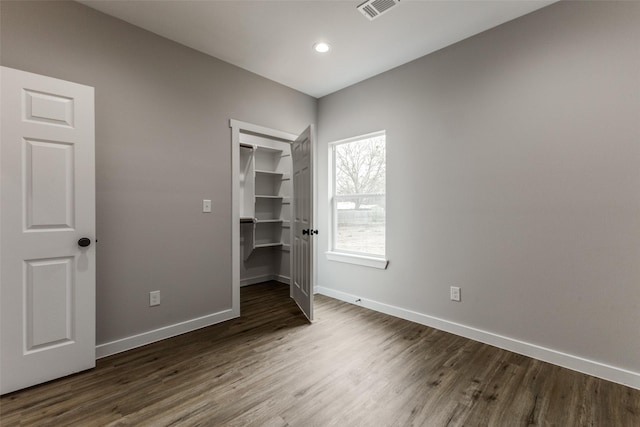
(272, 211)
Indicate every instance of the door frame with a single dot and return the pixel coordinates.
(238, 127)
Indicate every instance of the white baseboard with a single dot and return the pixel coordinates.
(264, 278)
(134, 341)
(576, 363)
(118, 346)
(282, 279)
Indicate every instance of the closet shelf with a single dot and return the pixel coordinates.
(268, 149)
(260, 221)
(264, 196)
(268, 245)
(272, 173)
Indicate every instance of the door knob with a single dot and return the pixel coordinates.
(84, 242)
(306, 231)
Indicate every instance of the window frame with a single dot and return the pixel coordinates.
(358, 258)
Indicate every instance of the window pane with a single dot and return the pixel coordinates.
(360, 166)
(359, 169)
(360, 224)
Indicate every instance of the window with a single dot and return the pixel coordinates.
(358, 213)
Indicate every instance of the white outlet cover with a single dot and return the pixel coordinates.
(455, 293)
(154, 298)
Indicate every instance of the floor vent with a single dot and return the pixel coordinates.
(375, 8)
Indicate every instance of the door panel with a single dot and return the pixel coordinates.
(49, 288)
(302, 265)
(47, 196)
(48, 189)
(48, 108)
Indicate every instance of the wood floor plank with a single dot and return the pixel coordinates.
(351, 367)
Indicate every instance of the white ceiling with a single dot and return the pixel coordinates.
(274, 38)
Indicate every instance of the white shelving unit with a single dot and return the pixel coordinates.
(264, 197)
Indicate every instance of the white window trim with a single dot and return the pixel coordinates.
(366, 260)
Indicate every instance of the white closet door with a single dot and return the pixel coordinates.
(303, 232)
(47, 195)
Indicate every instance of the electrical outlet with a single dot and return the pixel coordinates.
(206, 206)
(455, 293)
(154, 298)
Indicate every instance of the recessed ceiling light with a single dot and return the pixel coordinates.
(321, 47)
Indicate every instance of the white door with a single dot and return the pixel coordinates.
(47, 199)
(303, 232)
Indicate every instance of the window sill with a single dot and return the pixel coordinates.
(366, 261)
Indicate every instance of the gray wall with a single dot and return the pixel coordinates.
(163, 144)
(513, 172)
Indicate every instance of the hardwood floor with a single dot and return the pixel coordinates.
(352, 367)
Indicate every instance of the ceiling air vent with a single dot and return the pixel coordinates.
(374, 8)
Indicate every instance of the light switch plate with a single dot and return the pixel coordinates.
(206, 206)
